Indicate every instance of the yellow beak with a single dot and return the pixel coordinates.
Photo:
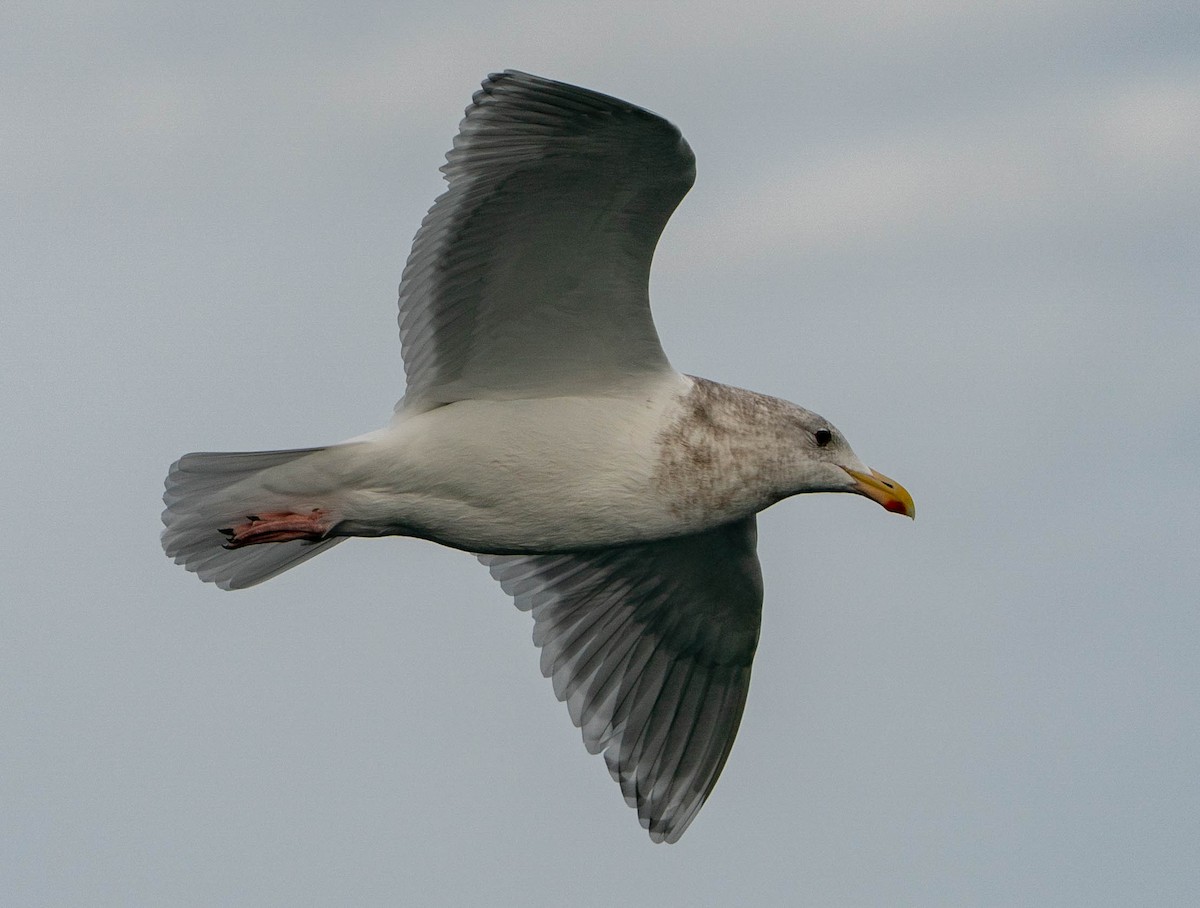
(889, 493)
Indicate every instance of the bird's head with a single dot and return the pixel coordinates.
(825, 462)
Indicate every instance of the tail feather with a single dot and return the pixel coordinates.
(208, 491)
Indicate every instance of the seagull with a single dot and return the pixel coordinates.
(543, 430)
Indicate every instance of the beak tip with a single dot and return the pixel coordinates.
(884, 491)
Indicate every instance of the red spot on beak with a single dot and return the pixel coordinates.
(885, 492)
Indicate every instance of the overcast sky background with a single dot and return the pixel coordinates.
(967, 233)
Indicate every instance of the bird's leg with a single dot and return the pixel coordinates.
(281, 526)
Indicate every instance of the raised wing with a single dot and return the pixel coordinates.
(528, 277)
(650, 646)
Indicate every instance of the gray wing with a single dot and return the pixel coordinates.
(650, 646)
(528, 277)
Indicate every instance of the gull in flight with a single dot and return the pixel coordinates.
(543, 430)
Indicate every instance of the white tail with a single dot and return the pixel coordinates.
(201, 499)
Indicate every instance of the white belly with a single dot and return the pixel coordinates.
(534, 475)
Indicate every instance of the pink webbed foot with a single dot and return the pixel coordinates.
(282, 526)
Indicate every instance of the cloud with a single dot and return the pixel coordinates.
(1006, 170)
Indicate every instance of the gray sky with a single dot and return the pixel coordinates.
(965, 232)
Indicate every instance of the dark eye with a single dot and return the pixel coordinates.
(823, 437)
